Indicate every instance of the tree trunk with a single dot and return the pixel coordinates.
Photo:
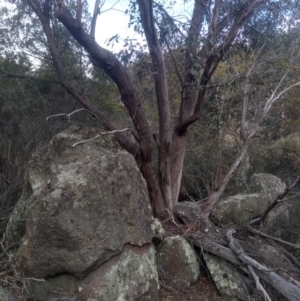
(177, 160)
(161, 89)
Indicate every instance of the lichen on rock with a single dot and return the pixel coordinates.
(177, 262)
(81, 206)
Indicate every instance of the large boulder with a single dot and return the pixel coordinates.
(80, 207)
(267, 185)
(177, 262)
(241, 208)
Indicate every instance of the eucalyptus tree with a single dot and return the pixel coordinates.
(206, 38)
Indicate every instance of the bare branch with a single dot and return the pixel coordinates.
(68, 115)
(174, 62)
(94, 19)
(99, 135)
(289, 290)
(255, 231)
(286, 253)
(2, 175)
(246, 88)
(258, 284)
(36, 279)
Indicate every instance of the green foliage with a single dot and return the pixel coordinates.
(281, 158)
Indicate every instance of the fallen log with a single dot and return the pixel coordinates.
(286, 288)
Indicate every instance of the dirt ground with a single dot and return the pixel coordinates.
(202, 290)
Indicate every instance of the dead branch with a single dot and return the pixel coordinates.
(286, 288)
(286, 253)
(68, 115)
(258, 284)
(239, 252)
(101, 133)
(255, 231)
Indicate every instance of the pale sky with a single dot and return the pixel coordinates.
(114, 21)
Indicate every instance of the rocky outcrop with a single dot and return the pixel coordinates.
(177, 262)
(241, 208)
(229, 282)
(81, 206)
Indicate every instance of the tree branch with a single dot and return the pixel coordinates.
(94, 19)
(99, 135)
(246, 88)
(67, 115)
(215, 17)
(78, 13)
(169, 18)
(255, 231)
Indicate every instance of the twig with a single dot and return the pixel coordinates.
(286, 253)
(174, 62)
(101, 133)
(35, 279)
(67, 115)
(1, 243)
(5, 179)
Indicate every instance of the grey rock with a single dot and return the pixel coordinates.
(5, 295)
(269, 255)
(266, 184)
(241, 208)
(80, 207)
(229, 282)
(129, 276)
(158, 231)
(177, 262)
